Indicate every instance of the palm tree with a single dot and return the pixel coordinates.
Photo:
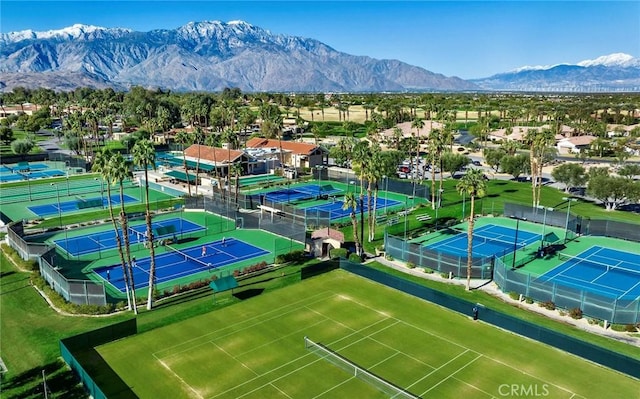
(417, 124)
(213, 140)
(118, 172)
(198, 139)
(183, 138)
(144, 155)
(236, 169)
(473, 185)
(101, 165)
(351, 202)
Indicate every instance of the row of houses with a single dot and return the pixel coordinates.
(567, 142)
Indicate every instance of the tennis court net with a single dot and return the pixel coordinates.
(575, 260)
(188, 258)
(358, 372)
(502, 243)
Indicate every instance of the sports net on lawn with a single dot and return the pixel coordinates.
(358, 372)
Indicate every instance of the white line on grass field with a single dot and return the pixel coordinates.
(279, 377)
(181, 380)
(221, 349)
(495, 360)
(471, 350)
(450, 375)
(276, 312)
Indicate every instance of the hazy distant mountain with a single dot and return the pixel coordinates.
(615, 72)
(207, 56)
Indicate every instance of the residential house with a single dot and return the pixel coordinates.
(294, 154)
(573, 145)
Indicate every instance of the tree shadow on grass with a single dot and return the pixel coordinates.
(61, 382)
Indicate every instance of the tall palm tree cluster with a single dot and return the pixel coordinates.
(114, 170)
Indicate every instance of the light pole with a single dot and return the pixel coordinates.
(386, 192)
(566, 223)
(60, 213)
(544, 224)
(515, 241)
(101, 190)
(405, 218)
(29, 185)
(438, 205)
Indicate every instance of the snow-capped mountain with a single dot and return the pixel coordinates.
(614, 72)
(209, 56)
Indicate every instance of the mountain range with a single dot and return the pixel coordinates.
(213, 55)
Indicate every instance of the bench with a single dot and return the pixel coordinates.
(423, 218)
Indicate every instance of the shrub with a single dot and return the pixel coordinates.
(411, 265)
(575, 313)
(444, 275)
(427, 270)
(355, 258)
(514, 295)
(338, 253)
(548, 305)
(388, 257)
(528, 300)
(294, 256)
(630, 328)
(562, 313)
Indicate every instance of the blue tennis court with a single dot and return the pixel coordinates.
(298, 193)
(74, 205)
(172, 265)
(105, 240)
(488, 240)
(599, 270)
(336, 211)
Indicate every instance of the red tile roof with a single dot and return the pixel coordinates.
(295, 147)
(207, 153)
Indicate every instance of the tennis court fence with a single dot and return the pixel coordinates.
(421, 256)
(614, 310)
(379, 383)
(80, 292)
(62, 187)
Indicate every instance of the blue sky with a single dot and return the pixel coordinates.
(469, 39)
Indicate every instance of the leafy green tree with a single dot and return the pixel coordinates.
(493, 157)
(22, 147)
(613, 191)
(6, 135)
(629, 170)
(473, 185)
(453, 162)
(515, 165)
(571, 174)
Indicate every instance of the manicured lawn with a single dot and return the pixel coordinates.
(30, 331)
(256, 348)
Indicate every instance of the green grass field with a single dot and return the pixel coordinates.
(256, 349)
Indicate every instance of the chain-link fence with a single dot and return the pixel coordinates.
(420, 255)
(346, 176)
(612, 228)
(26, 250)
(572, 224)
(80, 292)
(594, 353)
(593, 305)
